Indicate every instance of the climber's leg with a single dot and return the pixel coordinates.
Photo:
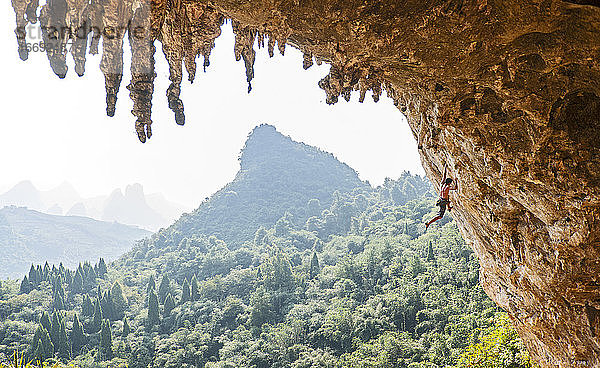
(442, 203)
(432, 221)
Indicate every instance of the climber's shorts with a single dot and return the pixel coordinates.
(442, 203)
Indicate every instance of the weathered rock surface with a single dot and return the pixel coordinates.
(505, 93)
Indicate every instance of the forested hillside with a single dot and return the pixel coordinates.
(28, 236)
(276, 175)
(324, 277)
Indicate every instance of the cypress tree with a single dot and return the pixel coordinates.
(55, 330)
(314, 266)
(45, 271)
(430, 254)
(90, 275)
(194, 288)
(77, 336)
(101, 269)
(45, 321)
(169, 305)
(97, 320)
(87, 308)
(33, 276)
(63, 343)
(77, 284)
(58, 294)
(126, 328)
(164, 288)
(186, 293)
(42, 347)
(25, 286)
(106, 305)
(153, 316)
(106, 352)
(151, 285)
(40, 273)
(118, 301)
(68, 277)
(46, 345)
(58, 302)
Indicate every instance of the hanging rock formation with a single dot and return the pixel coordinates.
(505, 93)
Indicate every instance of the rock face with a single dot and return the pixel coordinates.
(505, 93)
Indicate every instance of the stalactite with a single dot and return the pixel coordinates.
(95, 12)
(204, 27)
(20, 7)
(343, 79)
(171, 37)
(307, 61)
(78, 23)
(141, 86)
(271, 46)
(244, 48)
(55, 35)
(187, 29)
(115, 20)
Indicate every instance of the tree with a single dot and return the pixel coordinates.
(314, 207)
(277, 272)
(45, 321)
(77, 284)
(41, 345)
(118, 301)
(87, 308)
(430, 254)
(151, 285)
(185, 293)
(164, 288)
(77, 336)
(126, 328)
(96, 323)
(106, 305)
(25, 286)
(55, 330)
(169, 305)
(63, 343)
(260, 235)
(106, 352)
(58, 302)
(34, 276)
(153, 314)
(194, 288)
(90, 275)
(314, 266)
(498, 347)
(101, 268)
(46, 271)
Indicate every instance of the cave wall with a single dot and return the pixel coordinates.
(506, 94)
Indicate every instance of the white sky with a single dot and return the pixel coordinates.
(54, 130)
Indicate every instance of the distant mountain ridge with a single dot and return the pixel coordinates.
(133, 207)
(277, 175)
(28, 236)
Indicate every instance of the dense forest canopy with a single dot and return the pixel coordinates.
(304, 266)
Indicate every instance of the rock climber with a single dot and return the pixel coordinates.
(444, 200)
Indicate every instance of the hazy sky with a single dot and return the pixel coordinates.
(55, 130)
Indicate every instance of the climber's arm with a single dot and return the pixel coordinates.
(444, 177)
